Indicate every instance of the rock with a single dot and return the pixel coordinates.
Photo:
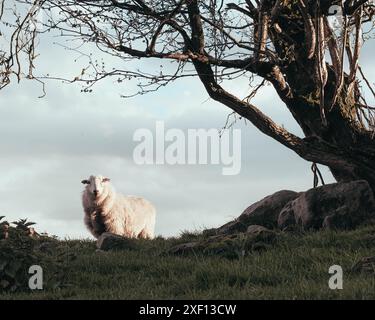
(110, 241)
(257, 233)
(335, 206)
(256, 229)
(286, 220)
(183, 248)
(264, 212)
(229, 245)
(260, 234)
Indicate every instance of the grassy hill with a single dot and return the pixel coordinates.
(295, 266)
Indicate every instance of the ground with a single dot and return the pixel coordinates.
(295, 266)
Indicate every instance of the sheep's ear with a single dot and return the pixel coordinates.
(106, 180)
(85, 181)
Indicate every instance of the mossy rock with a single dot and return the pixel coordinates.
(110, 241)
(229, 246)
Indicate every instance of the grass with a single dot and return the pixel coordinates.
(294, 267)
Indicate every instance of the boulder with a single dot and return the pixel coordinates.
(184, 248)
(259, 232)
(342, 205)
(110, 241)
(229, 245)
(256, 229)
(264, 213)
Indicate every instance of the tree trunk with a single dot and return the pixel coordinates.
(348, 138)
(343, 132)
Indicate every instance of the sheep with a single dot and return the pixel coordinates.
(108, 211)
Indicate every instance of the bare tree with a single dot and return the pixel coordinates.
(313, 66)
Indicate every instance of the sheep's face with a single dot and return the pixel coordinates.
(96, 185)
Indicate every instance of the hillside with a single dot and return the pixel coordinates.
(294, 266)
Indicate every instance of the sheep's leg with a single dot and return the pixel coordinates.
(146, 234)
(143, 234)
(97, 223)
(90, 225)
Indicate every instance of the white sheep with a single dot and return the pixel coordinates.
(108, 211)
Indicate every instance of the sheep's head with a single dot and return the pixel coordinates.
(96, 185)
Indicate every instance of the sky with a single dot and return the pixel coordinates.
(48, 145)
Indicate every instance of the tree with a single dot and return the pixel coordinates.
(313, 66)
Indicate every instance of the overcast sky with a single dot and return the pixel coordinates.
(49, 145)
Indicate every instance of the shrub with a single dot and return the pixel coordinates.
(21, 247)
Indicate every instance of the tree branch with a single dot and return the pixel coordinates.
(251, 13)
(309, 29)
